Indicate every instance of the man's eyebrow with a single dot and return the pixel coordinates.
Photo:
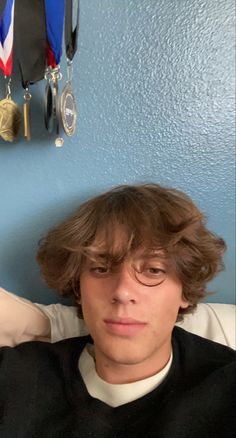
(158, 255)
(97, 256)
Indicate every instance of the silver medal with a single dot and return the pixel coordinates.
(68, 109)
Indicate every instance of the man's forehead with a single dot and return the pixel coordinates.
(137, 254)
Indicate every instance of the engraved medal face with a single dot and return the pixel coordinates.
(48, 108)
(68, 110)
(10, 119)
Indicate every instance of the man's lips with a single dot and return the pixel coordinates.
(124, 326)
(124, 321)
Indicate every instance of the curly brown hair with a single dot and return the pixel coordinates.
(152, 217)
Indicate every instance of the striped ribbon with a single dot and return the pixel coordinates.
(55, 12)
(6, 38)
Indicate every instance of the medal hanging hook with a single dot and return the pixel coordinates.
(27, 98)
(56, 74)
(48, 74)
(69, 70)
(8, 87)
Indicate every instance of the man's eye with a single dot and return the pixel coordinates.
(150, 275)
(155, 271)
(99, 270)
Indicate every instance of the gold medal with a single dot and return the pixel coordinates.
(26, 110)
(10, 119)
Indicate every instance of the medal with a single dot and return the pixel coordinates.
(67, 100)
(10, 116)
(10, 119)
(68, 109)
(56, 108)
(26, 108)
(51, 100)
(48, 107)
(54, 12)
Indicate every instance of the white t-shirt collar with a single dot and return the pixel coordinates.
(112, 394)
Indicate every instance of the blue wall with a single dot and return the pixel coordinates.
(155, 95)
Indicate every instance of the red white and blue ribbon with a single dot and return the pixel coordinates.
(55, 12)
(6, 38)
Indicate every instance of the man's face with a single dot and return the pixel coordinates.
(131, 323)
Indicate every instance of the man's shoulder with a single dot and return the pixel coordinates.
(200, 364)
(33, 365)
(33, 351)
(201, 350)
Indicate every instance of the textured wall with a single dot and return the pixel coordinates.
(155, 92)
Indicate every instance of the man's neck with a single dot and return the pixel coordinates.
(121, 373)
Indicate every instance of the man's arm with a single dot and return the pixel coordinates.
(64, 321)
(21, 321)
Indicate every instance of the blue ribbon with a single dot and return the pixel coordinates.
(55, 12)
(2, 7)
(6, 21)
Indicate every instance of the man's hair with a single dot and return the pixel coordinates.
(151, 217)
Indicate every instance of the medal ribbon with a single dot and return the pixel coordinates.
(6, 37)
(71, 36)
(2, 7)
(55, 12)
(30, 39)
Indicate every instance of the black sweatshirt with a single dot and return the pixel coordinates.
(43, 395)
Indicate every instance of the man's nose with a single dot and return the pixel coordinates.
(124, 288)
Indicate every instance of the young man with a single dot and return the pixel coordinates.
(136, 259)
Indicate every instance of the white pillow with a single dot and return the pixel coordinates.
(213, 321)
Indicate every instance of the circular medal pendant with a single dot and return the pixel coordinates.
(68, 110)
(56, 108)
(49, 108)
(10, 119)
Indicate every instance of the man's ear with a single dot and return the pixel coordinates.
(184, 303)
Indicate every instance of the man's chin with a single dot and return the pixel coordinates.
(124, 356)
